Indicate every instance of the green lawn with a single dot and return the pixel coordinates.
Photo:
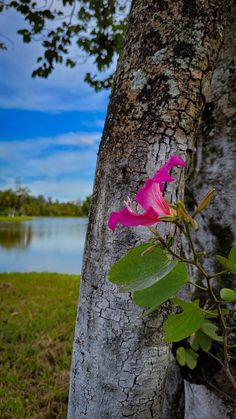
(37, 316)
(18, 218)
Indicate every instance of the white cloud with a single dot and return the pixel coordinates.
(78, 138)
(64, 190)
(62, 166)
(22, 149)
(17, 150)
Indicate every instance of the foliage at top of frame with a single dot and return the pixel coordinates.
(71, 31)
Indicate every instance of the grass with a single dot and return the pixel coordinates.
(16, 219)
(37, 317)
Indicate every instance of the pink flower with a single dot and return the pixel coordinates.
(150, 198)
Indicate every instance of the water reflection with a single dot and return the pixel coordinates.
(15, 235)
(43, 244)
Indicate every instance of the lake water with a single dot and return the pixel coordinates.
(43, 244)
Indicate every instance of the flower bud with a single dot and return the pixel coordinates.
(206, 200)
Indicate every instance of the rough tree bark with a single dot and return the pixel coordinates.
(120, 364)
(214, 166)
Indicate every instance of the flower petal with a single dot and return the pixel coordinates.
(150, 196)
(175, 161)
(162, 175)
(125, 217)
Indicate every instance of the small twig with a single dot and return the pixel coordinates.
(217, 274)
(215, 358)
(198, 286)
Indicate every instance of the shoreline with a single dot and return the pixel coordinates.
(19, 218)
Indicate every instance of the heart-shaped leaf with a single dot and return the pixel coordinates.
(186, 357)
(163, 289)
(183, 325)
(200, 339)
(137, 270)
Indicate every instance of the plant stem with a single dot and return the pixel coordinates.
(189, 237)
(172, 253)
(218, 274)
(198, 286)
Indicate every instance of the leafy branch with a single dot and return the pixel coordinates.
(96, 28)
(155, 272)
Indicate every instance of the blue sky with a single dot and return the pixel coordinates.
(50, 129)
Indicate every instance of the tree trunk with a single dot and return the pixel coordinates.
(120, 363)
(215, 166)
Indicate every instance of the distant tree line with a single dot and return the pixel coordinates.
(21, 202)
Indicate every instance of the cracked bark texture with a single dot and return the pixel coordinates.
(119, 364)
(215, 164)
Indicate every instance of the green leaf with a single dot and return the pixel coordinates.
(186, 357)
(163, 289)
(191, 358)
(210, 330)
(232, 254)
(185, 305)
(200, 339)
(180, 356)
(136, 272)
(183, 325)
(228, 264)
(227, 294)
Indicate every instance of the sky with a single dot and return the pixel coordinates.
(49, 129)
